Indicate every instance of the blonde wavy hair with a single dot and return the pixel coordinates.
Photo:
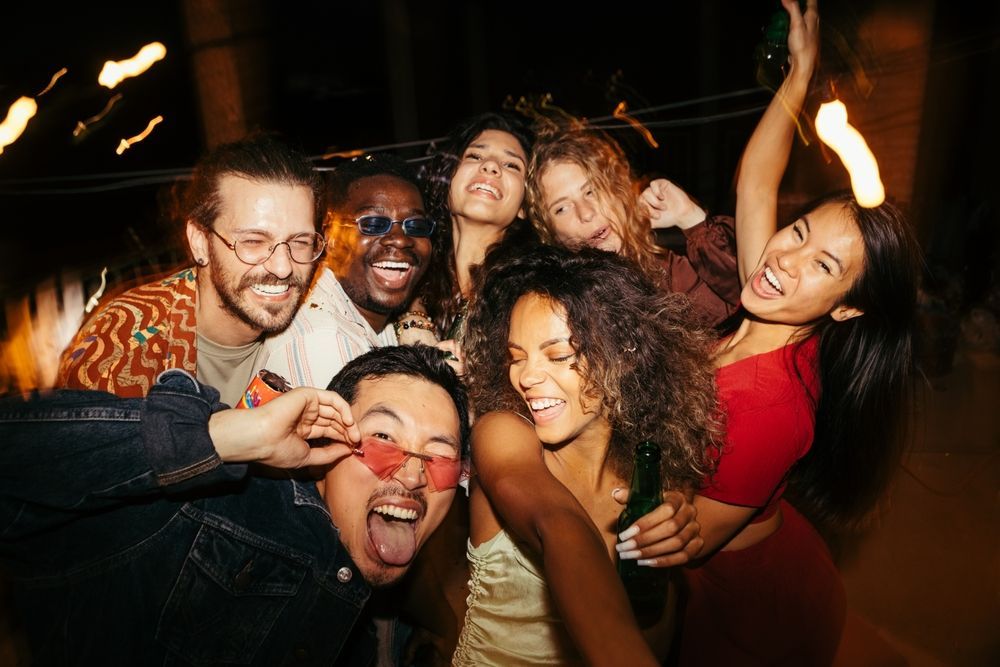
(607, 168)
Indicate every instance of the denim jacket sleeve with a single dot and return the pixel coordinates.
(80, 451)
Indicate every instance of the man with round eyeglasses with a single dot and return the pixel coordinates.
(378, 248)
(251, 213)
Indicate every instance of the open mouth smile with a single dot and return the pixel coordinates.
(393, 274)
(772, 279)
(485, 188)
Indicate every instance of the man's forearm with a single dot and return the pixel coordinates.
(77, 451)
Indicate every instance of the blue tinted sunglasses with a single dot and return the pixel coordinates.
(379, 225)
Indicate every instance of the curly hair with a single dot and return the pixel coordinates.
(607, 168)
(643, 357)
(441, 293)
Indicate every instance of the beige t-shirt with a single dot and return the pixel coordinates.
(229, 369)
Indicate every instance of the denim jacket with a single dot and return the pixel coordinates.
(127, 540)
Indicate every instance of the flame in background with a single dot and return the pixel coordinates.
(114, 72)
(620, 114)
(17, 119)
(83, 125)
(127, 143)
(356, 152)
(834, 130)
(95, 298)
(55, 77)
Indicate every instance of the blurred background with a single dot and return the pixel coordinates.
(920, 78)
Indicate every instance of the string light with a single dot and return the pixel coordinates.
(114, 72)
(18, 115)
(127, 143)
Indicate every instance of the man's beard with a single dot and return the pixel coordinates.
(366, 301)
(266, 318)
(357, 290)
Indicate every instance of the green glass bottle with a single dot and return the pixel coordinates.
(771, 53)
(647, 587)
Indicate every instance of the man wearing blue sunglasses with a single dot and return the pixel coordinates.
(378, 248)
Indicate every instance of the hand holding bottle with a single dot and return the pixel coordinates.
(803, 36)
(669, 535)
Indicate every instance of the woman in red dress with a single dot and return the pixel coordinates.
(811, 381)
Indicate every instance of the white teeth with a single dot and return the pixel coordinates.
(398, 266)
(772, 279)
(543, 403)
(397, 512)
(271, 289)
(486, 187)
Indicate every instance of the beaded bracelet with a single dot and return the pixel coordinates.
(416, 314)
(400, 325)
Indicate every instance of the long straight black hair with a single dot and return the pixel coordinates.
(865, 366)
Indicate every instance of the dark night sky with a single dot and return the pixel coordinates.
(326, 72)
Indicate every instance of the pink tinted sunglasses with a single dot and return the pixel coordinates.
(384, 459)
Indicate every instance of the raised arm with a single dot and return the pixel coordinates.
(766, 155)
(706, 272)
(544, 516)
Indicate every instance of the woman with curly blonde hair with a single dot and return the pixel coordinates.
(581, 193)
(574, 358)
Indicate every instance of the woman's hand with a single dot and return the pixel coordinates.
(412, 336)
(455, 357)
(667, 536)
(803, 36)
(669, 206)
(415, 326)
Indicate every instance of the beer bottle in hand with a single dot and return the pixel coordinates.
(647, 587)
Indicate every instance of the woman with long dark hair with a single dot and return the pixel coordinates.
(474, 187)
(811, 383)
(475, 191)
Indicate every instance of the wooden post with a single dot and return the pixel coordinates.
(229, 66)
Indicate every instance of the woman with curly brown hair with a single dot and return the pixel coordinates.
(581, 193)
(575, 358)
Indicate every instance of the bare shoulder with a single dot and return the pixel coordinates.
(504, 440)
(502, 427)
(502, 419)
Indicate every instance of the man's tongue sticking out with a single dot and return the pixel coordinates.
(394, 539)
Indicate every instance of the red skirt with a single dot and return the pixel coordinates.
(778, 602)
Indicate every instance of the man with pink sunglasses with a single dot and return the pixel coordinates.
(141, 530)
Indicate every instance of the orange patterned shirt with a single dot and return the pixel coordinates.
(135, 337)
